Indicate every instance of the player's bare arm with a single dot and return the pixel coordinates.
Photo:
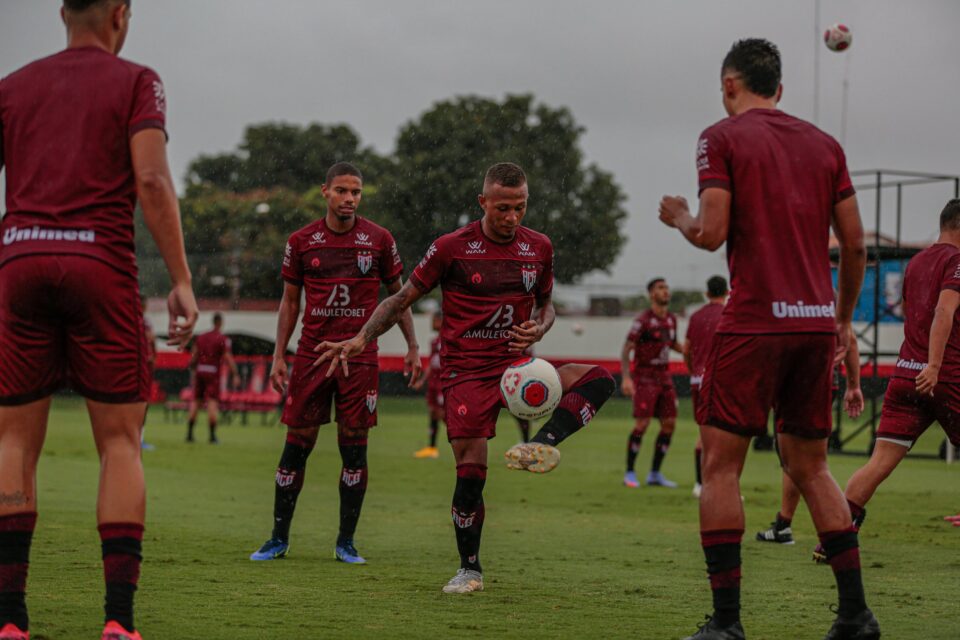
(528, 333)
(234, 371)
(626, 385)
(411, 362)
(853, 396)
(286, 322)
(161, 212)
(388, 313)
(943, 316)
(853, 261)
(708, 230)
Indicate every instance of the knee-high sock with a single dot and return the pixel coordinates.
(577, 406)
(353, 485)
(696, 464)
(633, 448)
(660, 449)
(434, 427)
(121, 543)
(722, 551)
(468, 512)
(289, 482)
(16, 534)
(843, 553)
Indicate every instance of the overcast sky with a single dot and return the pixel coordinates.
(640, 75)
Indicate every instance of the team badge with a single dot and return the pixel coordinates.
(364, 261)
(529, 274)
(351, 477)
(371, 401)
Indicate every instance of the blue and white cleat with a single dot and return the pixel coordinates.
(630, 480)
(348, 553)
(272, 549)
(656, 479)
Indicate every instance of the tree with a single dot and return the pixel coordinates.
(440, 161)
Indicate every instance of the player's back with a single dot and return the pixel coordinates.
(65, 128)
(785, 177)
(211, 347)
(700, 331)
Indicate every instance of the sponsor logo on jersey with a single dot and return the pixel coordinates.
(351, 477)
(364, 261)
(462, 409)
(463, 520)
(476, 278)
(160, 96)
(287, 252)
(363, 240)
(487, 334)
(14, 234)
(318, 238)
(371, 401)
(315, 263)
(703, 161)
(911, 365)
(337, 312)
(783, 309)
(524, 250)
(395, 253)
(475, 247)
(529, 274)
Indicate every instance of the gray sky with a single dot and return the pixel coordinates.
(641, 76)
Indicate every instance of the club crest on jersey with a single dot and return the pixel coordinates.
(318, 238)
(371, 401)
(364, 261)
(475, 247)
(529, 274)
(524, 250)
(363, 240)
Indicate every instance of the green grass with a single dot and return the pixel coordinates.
(570, 554)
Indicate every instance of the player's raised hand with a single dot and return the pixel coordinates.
(412, 368)
(627, 387)
(525, 335)
(853, 402)
(672, 208)
(927, 380)
(183, 310)
(339, 354)
(279, 375)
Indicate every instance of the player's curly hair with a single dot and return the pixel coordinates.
(758, 63)
(506, 174)
(950, 216)
(82, 5)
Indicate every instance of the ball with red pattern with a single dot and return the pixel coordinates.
(531, 388)
(838, 37)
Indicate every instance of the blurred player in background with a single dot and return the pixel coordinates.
(771, 187)
(647, 379)
(703, 324)
(210, 350)
(339, 261)
(431, 376)
(496, 277)
(82, 136)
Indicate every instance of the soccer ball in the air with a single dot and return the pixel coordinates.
(531, 388)
(838, 37)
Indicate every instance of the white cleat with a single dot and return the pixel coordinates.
(697, 488)
(534, 457)
(466, 581)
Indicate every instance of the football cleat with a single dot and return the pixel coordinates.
(466, 581)
(630, 480)
(697, 490)
(11, 631)
(348, 553)
(710, 630)
(272, 549)
(819, 554)
(779, 536)
(534, 457)
(427, 452)
(863, 626)
(656, 479)
(115, 631)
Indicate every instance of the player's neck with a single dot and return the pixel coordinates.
(336, 224)
(85, 38)
(721, 301)
(949, 237)
(488, 230)
(660, 310)
(750, 101)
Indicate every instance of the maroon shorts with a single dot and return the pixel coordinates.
(654, 398)
(206, 386)
(434, 395)
(70, 320)
(907, 414)
(747, 375)
(695, 397)
(472, 408)
(311, 394)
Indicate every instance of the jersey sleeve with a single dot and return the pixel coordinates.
(292, 270)
(391, 264)
(951, 274)
(432, 268)
(713, 160)
(149, 104)
(636, 330)
(545, 286)
(842, 185)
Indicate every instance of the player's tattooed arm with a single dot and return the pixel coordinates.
(526, 334)
(411, 362)
(708, 230)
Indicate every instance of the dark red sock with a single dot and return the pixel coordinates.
(353, 485)
(722, 550)
(577, 406)
(633, 448)
(289, 481)
(842, 549)
(468, 512)
(122, 544)
(16, 534)
(858, 513)
(660, 449)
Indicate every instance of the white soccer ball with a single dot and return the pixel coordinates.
(531, 388)
(838, 37)
(577, 329)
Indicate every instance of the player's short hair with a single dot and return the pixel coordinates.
(654, 282)
(342, 169)
(506, 174)
(218, 318)
(716, 286)
(758, 63)
(950, 216)
(82, 5)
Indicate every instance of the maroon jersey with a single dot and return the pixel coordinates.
(785, 176)
(652, 337)
(65, 128)
(212, 346)
(435, 361)
(703, 324)
(487, 288)
(341, 275)
(929, 272)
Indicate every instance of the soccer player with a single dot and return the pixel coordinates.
(431, 376)
(771, 186)
(339, 261)
(646, 379)
(496, 277)
(700, 330)
(81, 137)
(210, 350)
(925, 386)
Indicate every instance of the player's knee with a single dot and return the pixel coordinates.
(667, 427)
(353, 456)
(304, 438)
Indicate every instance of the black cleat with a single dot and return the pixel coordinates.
(863, 626)
(710, 630)
(773, 534)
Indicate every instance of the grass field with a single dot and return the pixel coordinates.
(571, 554)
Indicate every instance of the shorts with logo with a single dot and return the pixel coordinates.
(311, 395)
(70, 320)
(472, 408)
(907, 414)
(748, 375)
(654, 396)
(434, 394)
(206, 386)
